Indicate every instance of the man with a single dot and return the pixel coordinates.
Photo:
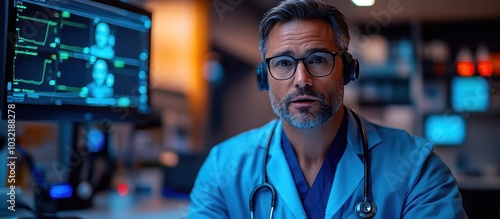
(104, 41)
(102, 82)
(314, 161)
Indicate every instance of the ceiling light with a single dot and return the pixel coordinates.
(363, 2)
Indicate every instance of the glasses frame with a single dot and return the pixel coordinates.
(333, 53)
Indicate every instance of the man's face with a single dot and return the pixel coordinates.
(102, 33)
(100, 71)
(305, 101)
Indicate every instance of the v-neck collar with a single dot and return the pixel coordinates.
(315, 198)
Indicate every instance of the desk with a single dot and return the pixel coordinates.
(480, 193)
(111, 205)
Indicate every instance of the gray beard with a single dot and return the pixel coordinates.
(305, 118)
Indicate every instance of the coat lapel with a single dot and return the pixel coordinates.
(348, 176)
(281, 178)
(350, 171)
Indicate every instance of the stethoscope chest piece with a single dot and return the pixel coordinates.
(366, 209)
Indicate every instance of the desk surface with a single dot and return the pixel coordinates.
(112, 205)
(109, 205)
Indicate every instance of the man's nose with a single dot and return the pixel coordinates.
(302, 76)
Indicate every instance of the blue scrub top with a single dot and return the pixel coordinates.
(409, 180)
(315, 198)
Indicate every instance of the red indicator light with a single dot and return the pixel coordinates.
(465, 68)
(485, 68)
(122, 189)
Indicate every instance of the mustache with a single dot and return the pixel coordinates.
(300, 92)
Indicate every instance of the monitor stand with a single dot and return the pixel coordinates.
(83, 163)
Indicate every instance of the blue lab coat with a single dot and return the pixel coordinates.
(407, 179)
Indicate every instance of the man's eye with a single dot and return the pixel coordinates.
(317, 60)
(283, 63)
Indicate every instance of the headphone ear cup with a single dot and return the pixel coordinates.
(262, 81)
(354, 70)
(350, 68)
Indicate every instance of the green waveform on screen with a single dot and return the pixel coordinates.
(72, 48)
(75, 24)
(69, 88)
(47, 22)
(37, 82)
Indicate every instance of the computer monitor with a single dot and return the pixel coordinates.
(78, 63)
(470, 94)
(77, 60)
(445, 129)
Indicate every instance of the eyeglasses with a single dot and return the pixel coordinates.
(318, 64)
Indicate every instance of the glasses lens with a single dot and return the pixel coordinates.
(282, 67)
(319, 63)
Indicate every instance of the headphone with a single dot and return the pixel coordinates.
(350, 71)
(364, 209)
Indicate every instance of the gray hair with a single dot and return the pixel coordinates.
(290, 10)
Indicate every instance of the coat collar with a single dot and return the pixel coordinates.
(350, 170)
(279, 175)
(354, 138)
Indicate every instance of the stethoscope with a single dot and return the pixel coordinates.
(364, 209)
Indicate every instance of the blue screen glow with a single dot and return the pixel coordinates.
(61, 191)
(96, 140)
(469, 94)
(445, 129)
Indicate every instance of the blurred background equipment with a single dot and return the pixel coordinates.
(49, 73)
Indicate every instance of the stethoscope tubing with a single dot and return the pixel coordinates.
(366, 186)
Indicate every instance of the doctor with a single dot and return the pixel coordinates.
(319, 160)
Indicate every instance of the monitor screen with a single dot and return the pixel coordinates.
(77, 60)
(470, 94)
(445, 129)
